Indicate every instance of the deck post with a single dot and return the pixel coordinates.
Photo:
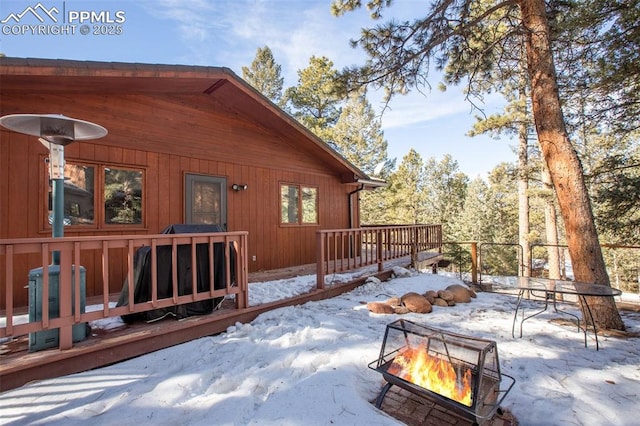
(243, 273)
(320, 250)
(379, 250)
(474, 262)
(64, 299)
(414, 246)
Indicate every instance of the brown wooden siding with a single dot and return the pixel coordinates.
(169, 136)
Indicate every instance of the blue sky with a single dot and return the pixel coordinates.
(228, 33)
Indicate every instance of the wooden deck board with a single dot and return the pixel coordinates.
(18, 366)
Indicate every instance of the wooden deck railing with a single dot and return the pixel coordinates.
(342, 250)
(338, 251)
(71, 249)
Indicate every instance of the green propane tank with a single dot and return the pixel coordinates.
(46, 339)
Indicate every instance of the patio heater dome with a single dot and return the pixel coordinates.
(54, 128)
(58, 130)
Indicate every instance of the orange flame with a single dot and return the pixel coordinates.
(415, 365)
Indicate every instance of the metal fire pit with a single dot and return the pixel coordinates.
(472, 361)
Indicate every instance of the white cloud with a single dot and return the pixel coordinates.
(295, 31)
(417, 108)
(234, 30)
(193, 17)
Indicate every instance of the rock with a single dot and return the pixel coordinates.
(440, 302)
(416, 303)
(379, 308)
(401, 310)
(394, 301)
(460, 293)
(451, 303)
(445, 295)
(431, 295)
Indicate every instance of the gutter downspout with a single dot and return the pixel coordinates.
(355, 191)
(351, 242)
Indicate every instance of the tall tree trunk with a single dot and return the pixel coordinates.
(523, 200)
(564, 165)
(551, 225)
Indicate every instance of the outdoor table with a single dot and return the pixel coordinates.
(549, 289)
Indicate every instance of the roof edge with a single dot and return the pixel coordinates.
(100, 68)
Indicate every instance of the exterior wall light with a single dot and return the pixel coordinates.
(239, 187)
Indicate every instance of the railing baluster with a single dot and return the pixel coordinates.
(194, 270)
(130, 276)
(174, 269)
(154, 273)
(45, 286)
(212, 272)
(227, 266)
(77, 311)
(104, 258)
(8, 253)
(379, 250)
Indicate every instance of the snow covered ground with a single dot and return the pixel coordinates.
(308, 365)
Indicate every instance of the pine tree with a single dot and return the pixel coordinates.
(445, 192)
(264, 75)
(474, 222)
(405, 193)
(358, 136)
(504, 207)
(316, 100)
(615, 184)
(597, 46)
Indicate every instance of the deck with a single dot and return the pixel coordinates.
(18, 366)
(379, 250)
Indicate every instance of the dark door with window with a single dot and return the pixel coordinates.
(206, 200)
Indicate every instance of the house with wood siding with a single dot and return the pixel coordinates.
(185, 144)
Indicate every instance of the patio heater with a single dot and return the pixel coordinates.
(54, 132)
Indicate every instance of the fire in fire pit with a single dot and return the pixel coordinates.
(415, 365)
(458, 372)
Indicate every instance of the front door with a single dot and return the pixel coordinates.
(206, 200)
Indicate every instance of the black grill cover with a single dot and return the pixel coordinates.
(142, 275)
